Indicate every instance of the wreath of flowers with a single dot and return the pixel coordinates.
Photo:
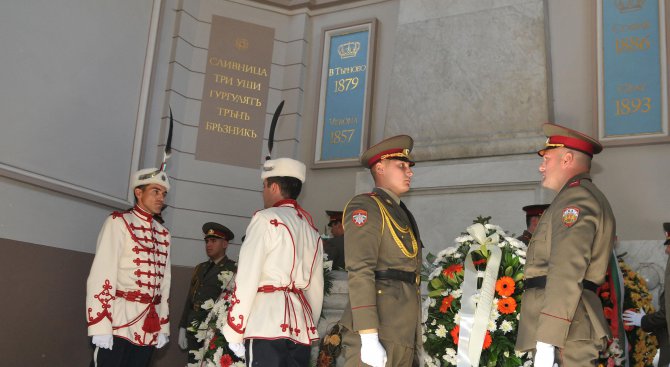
(215, 351)
(641, 345)
(441, 308)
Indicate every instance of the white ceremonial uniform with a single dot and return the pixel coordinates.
(280, 294)
(128, 287)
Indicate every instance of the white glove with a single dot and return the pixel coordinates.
(372, 352)
(544, 355)
(183, 343)
(633, 318)
(103, 341)
(162, 340)
(238, 349)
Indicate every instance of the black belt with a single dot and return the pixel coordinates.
(403, 276)
(541, 282)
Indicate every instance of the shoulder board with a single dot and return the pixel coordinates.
(371, 194)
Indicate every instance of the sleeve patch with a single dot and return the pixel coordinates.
(570, 216)
(359, 217)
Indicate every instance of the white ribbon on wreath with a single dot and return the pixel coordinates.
(475, 317)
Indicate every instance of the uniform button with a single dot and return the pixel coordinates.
(379, 291)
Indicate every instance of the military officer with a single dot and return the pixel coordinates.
(561, 315)
(381, 323)
(655, 322)
(276, 305)
(128, 288)
(205, 283)
(533, 214)
(334, 246)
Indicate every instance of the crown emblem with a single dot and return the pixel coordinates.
(241, 43)
(349, 49)
(626, 6)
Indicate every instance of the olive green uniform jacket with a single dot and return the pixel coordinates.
(567, 250)
(655, 324)
(391, 306)
(334, 247)
(204, 285)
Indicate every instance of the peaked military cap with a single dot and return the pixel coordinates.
(216, 230)
(334, 216)
(559, 136)
(666, 228)
(535, 210)
(396, 147)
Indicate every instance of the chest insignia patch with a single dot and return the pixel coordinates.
(570, 216)
(359, 217)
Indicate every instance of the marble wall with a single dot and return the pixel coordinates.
(463, 70)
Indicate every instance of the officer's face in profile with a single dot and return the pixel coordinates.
(215, 247)
(271, 194)
(552, 170)
(151, 198)
(394, 175)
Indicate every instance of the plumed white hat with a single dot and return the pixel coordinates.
(284, 167)
(151, 176)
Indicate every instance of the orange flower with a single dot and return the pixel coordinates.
(487, 340)
(454, 333)
(507, 305)
(451, 270)
(505, 286)
(446, 303)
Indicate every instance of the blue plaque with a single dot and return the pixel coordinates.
(632, 82)
(345, 96)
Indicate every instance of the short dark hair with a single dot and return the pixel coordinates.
(141, 187)
(288, 186)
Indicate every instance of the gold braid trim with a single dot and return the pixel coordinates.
(387, 220)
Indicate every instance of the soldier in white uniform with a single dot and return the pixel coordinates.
(277, 303)
(128, 287)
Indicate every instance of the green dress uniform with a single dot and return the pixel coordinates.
(567, 259)
(334, 247)
(654, 323)
(383, 258)
(205, 285)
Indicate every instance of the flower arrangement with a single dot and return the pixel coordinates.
(215, 351)
(330, 348)
(442, 313)
(641, 346)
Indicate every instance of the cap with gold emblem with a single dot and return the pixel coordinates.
(666, 229)
(334, 217)
(396, 147)
(559, 136)
(216, 230)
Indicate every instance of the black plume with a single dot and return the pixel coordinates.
(168, 145)
(273, 125)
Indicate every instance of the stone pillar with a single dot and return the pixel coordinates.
(333, 307)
